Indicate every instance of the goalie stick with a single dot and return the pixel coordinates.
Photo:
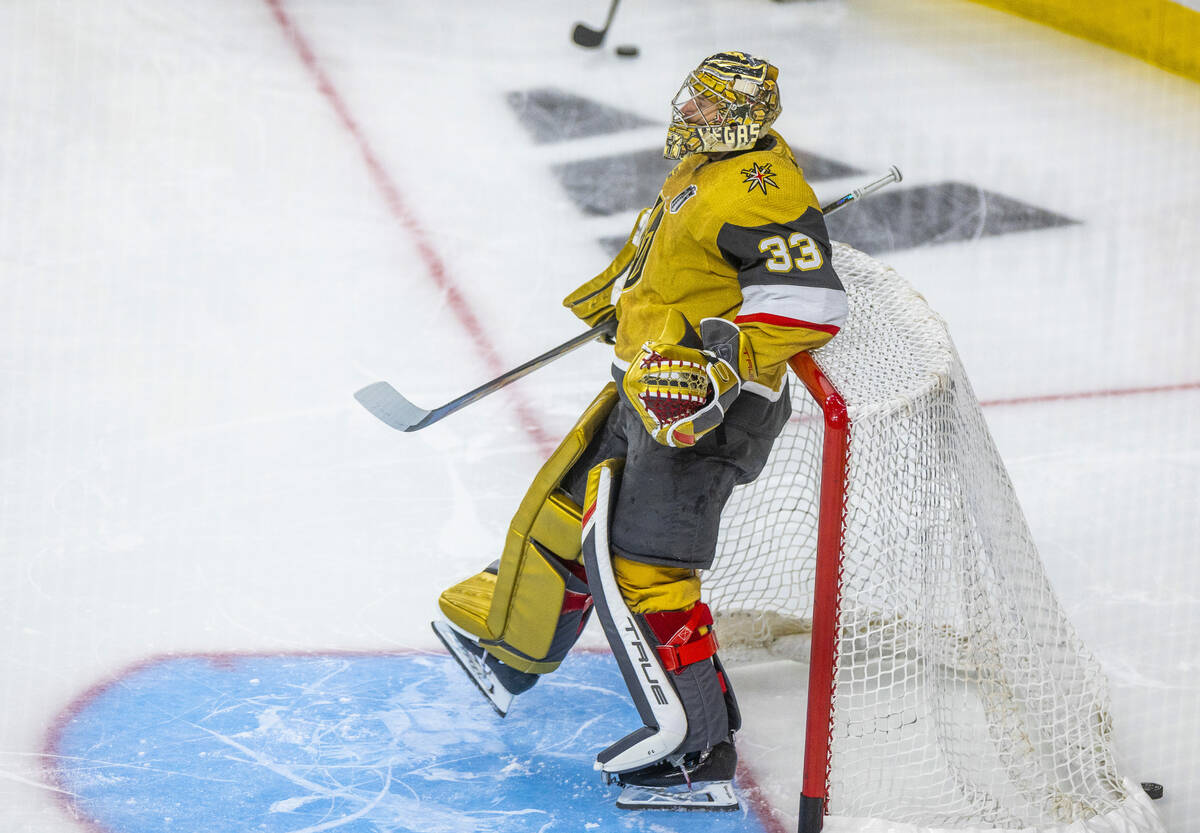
(394, 409)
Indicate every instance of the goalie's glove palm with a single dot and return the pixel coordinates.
(680, 392)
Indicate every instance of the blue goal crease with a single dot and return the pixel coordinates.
(358, 743)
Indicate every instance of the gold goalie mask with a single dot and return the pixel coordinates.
(727, 103)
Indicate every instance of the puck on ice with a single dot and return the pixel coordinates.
(1153, 790)
(627, 50)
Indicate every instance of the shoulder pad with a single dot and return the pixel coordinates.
(764, 185)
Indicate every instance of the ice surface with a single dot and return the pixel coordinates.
(355, 743)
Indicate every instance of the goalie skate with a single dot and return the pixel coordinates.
(697, 781)
(699, 795)
(498, 683)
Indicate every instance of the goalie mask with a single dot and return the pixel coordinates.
(727, 103)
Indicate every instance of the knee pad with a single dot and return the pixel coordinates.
(666, 657)
(652, 587)
(528, 608)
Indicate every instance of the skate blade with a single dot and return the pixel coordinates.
(703, 795)
(484, 680)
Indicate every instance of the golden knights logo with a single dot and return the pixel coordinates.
(760, 176)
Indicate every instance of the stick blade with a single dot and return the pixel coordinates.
(390, 406)
(586, 36)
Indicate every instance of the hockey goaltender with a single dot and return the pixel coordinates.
(727, 276)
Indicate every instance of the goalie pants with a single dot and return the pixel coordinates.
(668, 510)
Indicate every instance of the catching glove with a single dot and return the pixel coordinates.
(680, 389)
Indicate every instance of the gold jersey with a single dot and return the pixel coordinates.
(740, 238)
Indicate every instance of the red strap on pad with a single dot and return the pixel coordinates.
(684, 646)
(677, 658)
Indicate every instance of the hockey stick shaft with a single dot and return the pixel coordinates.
(893, 175)
(391, 407)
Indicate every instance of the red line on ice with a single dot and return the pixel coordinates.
(1093, 394)
(399, 209)
(760, 805)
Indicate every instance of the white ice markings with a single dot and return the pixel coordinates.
(350, 742)
(357, 765)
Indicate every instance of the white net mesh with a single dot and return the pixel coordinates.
(963, 696)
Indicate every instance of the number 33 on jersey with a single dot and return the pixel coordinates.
(797, 252)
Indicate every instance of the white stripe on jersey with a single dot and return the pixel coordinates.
(812, 304)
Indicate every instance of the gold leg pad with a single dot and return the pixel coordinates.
(519, 661)
(557, 527)
(466, 604)
(534, 606)
(552, 513)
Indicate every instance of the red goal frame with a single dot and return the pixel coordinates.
(826, 593)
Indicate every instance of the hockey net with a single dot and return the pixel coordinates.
(947, 688)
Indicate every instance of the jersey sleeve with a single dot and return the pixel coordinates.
(792, 299)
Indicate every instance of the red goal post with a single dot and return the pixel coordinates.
(828, 560)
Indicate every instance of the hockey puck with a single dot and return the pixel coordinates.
(627, 50)
(1153, 790)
